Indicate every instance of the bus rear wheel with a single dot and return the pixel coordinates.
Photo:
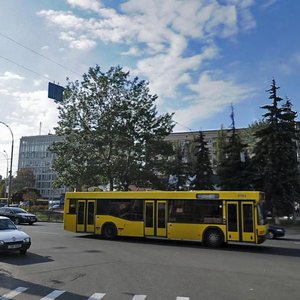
(213, 238)
(109, 231)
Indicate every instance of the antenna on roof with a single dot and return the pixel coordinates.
(40, 129)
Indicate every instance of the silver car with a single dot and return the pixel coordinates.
(11, 238)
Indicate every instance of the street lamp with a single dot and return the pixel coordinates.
(7, 159)
(11, 161)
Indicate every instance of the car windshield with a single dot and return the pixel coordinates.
(7, 224)
(19, 210)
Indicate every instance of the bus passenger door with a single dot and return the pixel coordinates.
(233, 224)
(149, 218)
(85, 216)
(161, 218)
(90, 216)
(248, 228)
(80, 227)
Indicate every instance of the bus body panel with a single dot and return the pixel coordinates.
(124, 227)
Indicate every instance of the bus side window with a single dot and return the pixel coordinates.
(103, 207)
(72, 206)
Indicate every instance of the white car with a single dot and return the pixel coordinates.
(11, 238)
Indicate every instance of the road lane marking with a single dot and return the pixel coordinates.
(14, 293)
(139, 297)
(53, 295)
(97, 296)
(182, 298)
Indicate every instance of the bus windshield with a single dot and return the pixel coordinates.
(260, 215)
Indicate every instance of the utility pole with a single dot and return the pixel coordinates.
(11, 161)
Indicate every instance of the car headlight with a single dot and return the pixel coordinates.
(2, 242)
(26, 240)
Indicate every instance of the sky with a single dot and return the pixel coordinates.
(199, 57)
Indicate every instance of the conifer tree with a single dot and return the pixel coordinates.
(275, 159)
(202, 170)
(232, 168)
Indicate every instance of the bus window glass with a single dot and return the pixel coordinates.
(72, 206)
(149, 214)
(248, 217)
(260, 215)
(80, 214)
(91, 207)
(232, 217)
(126, 209)
(198, 212)
(161, 215)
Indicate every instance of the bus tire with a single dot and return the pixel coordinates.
(109, 231)
(213, 237)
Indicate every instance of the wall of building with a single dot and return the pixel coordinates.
(34, 153)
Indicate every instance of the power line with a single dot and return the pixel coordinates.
(26, 68)
(183, 126)
(37, 53)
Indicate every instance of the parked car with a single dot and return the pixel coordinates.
(18, 215)
(11, 238)
(275, 231)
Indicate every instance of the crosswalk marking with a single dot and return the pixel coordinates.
(139, 297)
(53, 295)
(97, 296)
(57, 293)
(14, 293)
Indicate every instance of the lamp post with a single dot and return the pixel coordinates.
(7, 159)
(11, 161)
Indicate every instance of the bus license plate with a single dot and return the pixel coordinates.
(14, 246)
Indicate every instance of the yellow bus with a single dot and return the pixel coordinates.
(212, 217)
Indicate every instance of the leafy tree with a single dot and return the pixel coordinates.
(25, 178)
(202, 168)
(113, 133)
(26, 194)
(2, 187)
(275, 157)
(233, 164)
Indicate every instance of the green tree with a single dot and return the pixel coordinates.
(275, 158)
(233, 164)
(2, 187)
(113, 133)
(26, 194)
(25, 178)
(202, 168)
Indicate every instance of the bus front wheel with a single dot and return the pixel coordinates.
(213, 238)
(109, 231)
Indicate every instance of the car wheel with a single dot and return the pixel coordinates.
(213, 238)
(17, 221)
(109, 231)
(30, 223)
(271, 235)
(23, 252)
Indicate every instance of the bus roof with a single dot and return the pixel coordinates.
(236, 195)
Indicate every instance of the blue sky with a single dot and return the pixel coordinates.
(199, 56)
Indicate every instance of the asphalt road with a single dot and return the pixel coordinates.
(64, 265)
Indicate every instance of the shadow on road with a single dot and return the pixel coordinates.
(14, 258)
(9, 283)
(234, 247)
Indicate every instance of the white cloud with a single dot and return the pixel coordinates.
(158, 34)
(133, 51)
(8, 76)
(213, 95)
(92, 5)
